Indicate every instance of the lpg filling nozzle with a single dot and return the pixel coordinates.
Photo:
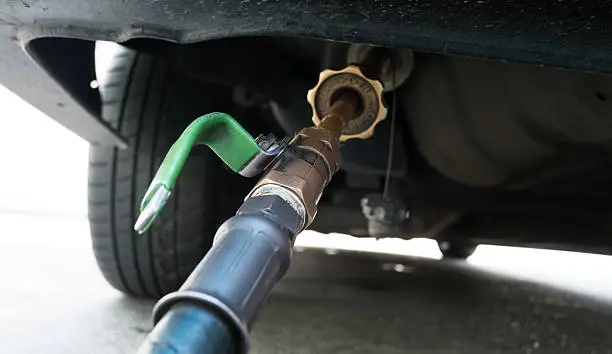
(215, 308)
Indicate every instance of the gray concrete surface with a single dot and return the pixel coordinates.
(54, 300)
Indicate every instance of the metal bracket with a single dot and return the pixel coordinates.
(270, 148)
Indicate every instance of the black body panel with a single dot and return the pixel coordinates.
(571, 34)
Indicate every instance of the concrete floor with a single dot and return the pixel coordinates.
(55, 301)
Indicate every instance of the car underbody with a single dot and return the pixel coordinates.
(503, 127)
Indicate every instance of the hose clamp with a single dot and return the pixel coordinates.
(270, 148)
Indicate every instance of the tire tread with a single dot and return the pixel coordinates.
(150, 104)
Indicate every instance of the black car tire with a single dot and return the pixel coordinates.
(150, 104)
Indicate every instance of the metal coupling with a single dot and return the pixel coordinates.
(301, 173)
(371, 110)
(269, 149)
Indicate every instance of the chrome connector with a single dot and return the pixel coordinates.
(153, 207)
(270, 148)
(287, 195)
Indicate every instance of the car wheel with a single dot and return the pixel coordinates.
(150, 104)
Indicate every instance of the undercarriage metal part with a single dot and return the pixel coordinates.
(227, 138)
(371, 108)
(391, 66)
(384, 215)
(490, 124)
